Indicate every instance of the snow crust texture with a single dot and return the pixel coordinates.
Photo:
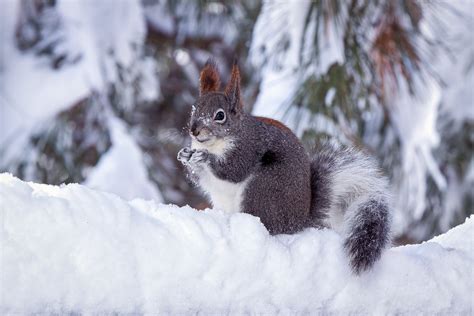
(71, 249)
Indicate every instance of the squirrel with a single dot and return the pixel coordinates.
(257, 165)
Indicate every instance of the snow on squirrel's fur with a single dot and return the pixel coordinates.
(72, 249)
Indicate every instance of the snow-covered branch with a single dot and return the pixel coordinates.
(72, 249)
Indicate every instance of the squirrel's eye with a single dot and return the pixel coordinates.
(219, 116)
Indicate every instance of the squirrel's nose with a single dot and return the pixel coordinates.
(194, 130)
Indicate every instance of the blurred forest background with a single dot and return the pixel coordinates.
(99, 92)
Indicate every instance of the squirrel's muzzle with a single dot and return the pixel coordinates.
(195, 130)
(199, 132)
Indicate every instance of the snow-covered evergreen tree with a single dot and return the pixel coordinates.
(90, 65)
(70, 67)
(83, 82)
(370, 73)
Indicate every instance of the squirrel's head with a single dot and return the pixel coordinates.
(215, 114)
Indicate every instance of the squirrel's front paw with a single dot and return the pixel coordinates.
(199, 156)
(192, 156)
(185, 154)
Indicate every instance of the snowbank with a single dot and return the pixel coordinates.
(72, 249)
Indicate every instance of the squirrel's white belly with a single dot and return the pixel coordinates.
(225, 196)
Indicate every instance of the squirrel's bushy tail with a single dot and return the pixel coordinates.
(350, 195)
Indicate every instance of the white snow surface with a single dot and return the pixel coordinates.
(73, 249)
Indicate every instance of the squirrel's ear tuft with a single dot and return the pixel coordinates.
(232, 90)
(209, 80)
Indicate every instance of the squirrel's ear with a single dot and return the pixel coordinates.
(232, 90)
(209, 80)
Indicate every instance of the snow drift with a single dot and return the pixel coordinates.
(72, 249)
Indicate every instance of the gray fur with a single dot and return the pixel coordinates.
(258, 166)
(274, 162)
(369, 233)
(350, 195)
